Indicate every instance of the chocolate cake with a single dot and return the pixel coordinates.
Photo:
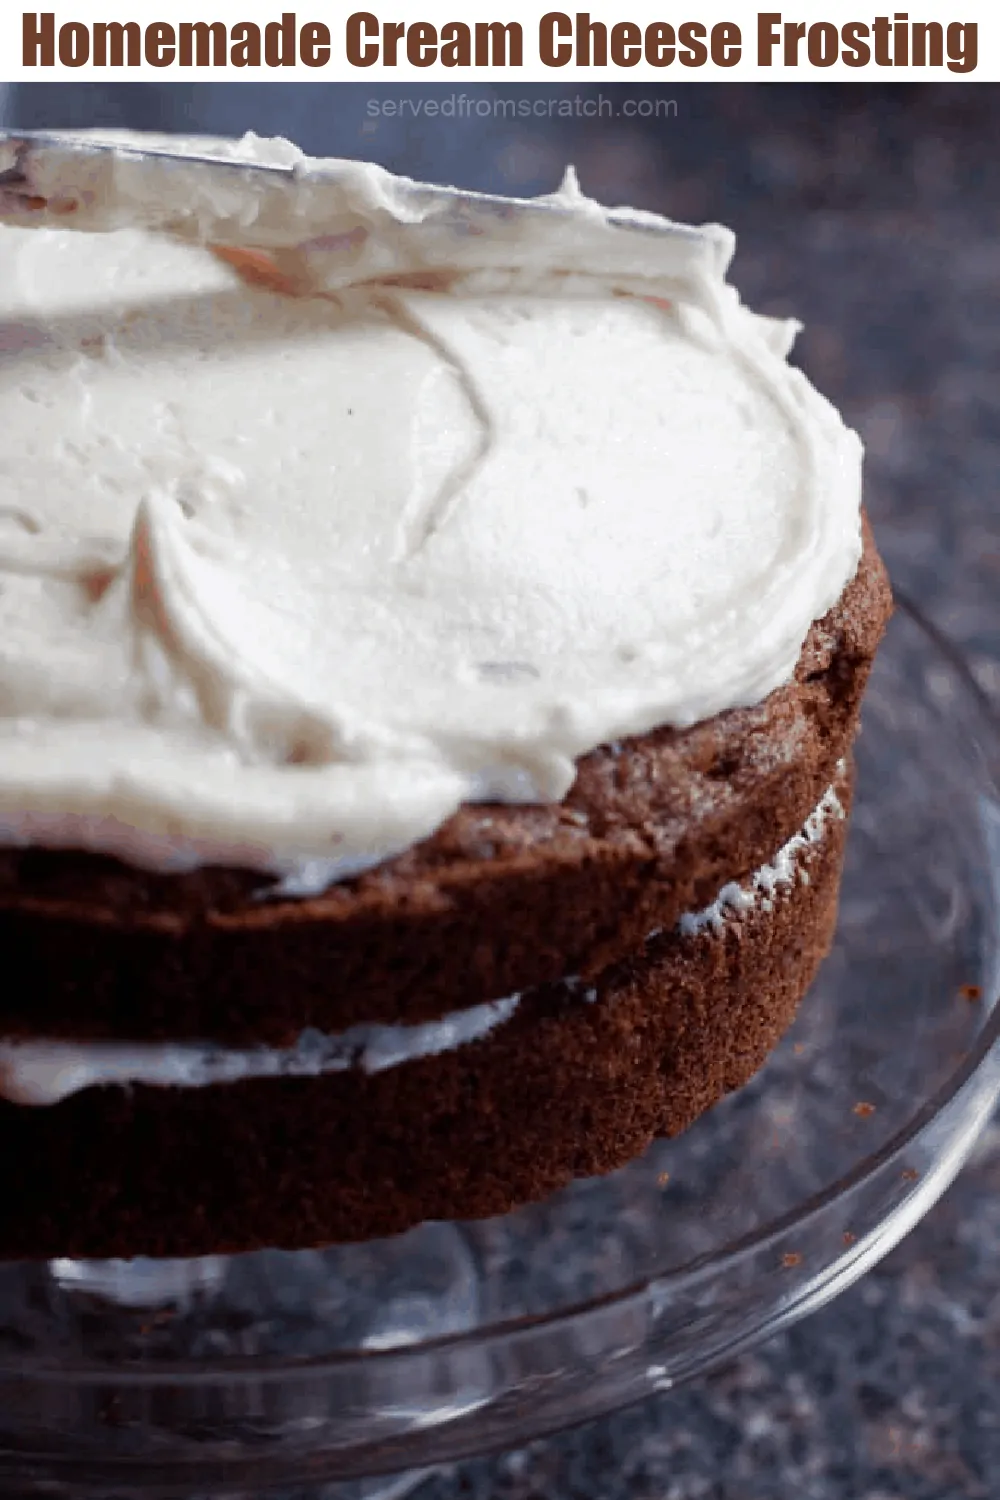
(341, 901)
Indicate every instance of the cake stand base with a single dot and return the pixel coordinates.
(351, 1373)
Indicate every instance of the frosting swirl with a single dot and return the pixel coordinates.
(285, 580)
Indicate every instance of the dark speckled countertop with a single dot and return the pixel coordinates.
(873, 214)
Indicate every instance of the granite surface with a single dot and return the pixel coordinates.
(874, 216)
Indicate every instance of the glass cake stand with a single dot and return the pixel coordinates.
(228, 1376)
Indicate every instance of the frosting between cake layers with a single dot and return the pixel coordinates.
(735, 899)
(43, 1072)
(285, 580)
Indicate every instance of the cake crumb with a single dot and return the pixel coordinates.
(909, 1174)
(971, 992)
(663, 1179)
(849, 1238)
(863, 1110)
(790, 1259)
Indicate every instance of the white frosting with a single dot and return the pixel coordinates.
(735, 900)
(335, 223)
(40, 1072)
(43, 1072)
(284, 581)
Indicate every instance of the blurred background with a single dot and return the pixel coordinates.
(869, 212)
(873, 215)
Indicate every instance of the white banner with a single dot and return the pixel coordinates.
(216, 40)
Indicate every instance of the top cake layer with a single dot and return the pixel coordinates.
(285, 581)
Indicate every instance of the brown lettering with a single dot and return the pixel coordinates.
(626, 44)
(963, 46)
(727, 44)
(928, 44)
(794, 32)
(201, 43)
(691, 36)
(857, 51)
(822, 44)
(555, 23)
(161, 44)
(660, 44)
(110, 38)
(245, 51)
(361, 51)
(74, 44)
(591, 33)
(497, 44)
(881, 29)
(456, 45)
(421, 44)
(392, 35)
(279, 41)
(315, 43)
(38, 42)
(768, 36)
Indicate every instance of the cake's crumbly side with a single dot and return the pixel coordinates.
(574, 1084)
(501, 899)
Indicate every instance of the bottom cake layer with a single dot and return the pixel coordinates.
(567, 1081)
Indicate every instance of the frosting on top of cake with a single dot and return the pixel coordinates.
(285, 580)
